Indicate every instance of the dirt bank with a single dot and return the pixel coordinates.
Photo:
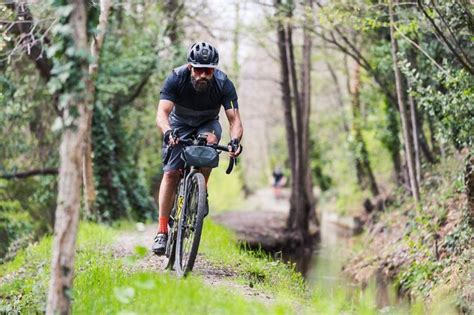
(424, 251)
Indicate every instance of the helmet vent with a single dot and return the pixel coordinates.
(203, 54)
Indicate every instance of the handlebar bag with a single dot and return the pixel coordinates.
(200, 156)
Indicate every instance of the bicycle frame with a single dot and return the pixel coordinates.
(180, 204)
(181, 191)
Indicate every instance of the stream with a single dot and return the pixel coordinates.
(322, 268)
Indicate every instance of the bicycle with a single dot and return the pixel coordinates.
(190, 205)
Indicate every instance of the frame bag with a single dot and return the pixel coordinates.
(200, 156)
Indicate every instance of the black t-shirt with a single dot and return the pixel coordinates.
(194, 108)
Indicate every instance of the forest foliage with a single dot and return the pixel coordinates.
(363, 46)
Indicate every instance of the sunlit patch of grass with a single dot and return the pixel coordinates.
(153, 293)
(255, 267)
(102, 284)
(25, 291)
(225, 191)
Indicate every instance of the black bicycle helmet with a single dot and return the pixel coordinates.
(203, 54)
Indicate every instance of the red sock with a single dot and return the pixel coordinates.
(163, 225)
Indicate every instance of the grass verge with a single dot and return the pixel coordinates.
(102, 285)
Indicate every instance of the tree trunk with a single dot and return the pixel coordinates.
(174, 14)
(96, 46)
(419, 138)
(306, 113)
(285, 87)
(403, 113)
(393, 142)
(339, 99)
(423, 142)
(297, 132)
(365, 175)
(434, 143)
(469, 181)
(69, 187)
(415, 137)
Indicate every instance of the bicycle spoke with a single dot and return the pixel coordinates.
(190, 225)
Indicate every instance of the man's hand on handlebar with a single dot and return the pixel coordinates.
(170, 137)
(234, 148)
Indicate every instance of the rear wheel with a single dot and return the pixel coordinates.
(190, 225)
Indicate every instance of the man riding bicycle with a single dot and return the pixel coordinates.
(190, 101)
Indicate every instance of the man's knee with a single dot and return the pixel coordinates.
(171, 176)
(212, 138)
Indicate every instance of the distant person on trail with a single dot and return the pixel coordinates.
(278, 181)
(190, 101)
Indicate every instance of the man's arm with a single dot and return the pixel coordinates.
(162, 115)
(236, 128)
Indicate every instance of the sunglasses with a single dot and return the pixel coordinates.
(207, 71)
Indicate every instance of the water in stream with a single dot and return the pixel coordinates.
(329, 255)
(323, 270)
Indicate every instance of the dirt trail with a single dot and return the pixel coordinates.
(261, 204)
(212, 275)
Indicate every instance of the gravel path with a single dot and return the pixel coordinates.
(212, 275)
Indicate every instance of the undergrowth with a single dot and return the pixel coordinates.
(428, 251)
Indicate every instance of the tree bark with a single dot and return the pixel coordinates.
(285, 86)
(26, 174)
(25, 27)
(174, 12)
(302, 200)
(403, 113)
(339, 99)
(435, 147)
(365, 175)
(469, 181)
(96, 46)
(422, 139)
(306, 83)
(69, 186)
(415, 137)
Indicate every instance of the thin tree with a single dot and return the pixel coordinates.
(71, 152)
(95, 47)
(70, 175)
(403, 114)
(365, 175)
(296, 108)
(415, 138)
(469, 181)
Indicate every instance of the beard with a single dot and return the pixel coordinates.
(201, 85)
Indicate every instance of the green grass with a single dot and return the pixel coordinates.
(255, 268)
(102, 284)
(225, 191)
(107, 289)
(291, 292)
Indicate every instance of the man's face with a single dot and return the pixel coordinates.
(201, 78)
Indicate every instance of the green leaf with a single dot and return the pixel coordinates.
(124, 294)
(141, 251)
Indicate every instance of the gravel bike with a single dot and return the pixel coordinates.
(190, 203)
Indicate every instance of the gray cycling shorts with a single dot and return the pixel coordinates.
(186, 132)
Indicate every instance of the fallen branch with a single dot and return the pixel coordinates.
(21, 175)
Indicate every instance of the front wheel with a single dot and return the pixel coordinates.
(190, 225)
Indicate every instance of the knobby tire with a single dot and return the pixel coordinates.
(193, 212)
